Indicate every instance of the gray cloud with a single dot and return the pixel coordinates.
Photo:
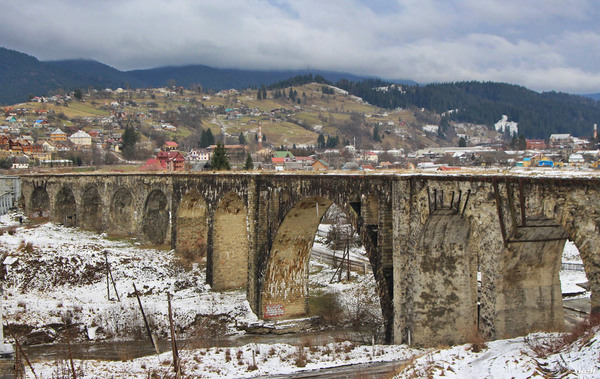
(543, 44)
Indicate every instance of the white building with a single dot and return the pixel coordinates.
(504, 125)
(81, 138)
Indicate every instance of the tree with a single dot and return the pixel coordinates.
(376, 136)
(129, 139)
(522, 143)
(242, 139)
(321, 141)
(219, 160)
(462, 142)
(249, 164)
(6, 163)
(78, 94)
(209, 137)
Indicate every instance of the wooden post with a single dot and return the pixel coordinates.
(69, 350)
(107, 276)
(20, 349)
(145, 319)
(348, 252)
(173, 341)
(111, 277)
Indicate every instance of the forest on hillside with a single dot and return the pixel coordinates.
(538, 114)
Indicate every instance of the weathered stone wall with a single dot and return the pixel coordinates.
(192, 226)
(445, 282)
(230, 244)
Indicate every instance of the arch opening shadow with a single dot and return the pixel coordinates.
(156, 217)
(122, 213)
(40, 203)
(192, 227)
(65, 208)
(91, 210)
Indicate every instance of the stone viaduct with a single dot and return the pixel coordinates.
(450, 254)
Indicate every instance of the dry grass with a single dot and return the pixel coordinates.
(583, 332)
(476, 339)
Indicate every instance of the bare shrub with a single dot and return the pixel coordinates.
(476, 339)
(543, 346)
(328, 307)
(585, 330)
(208, 331)
(300, 358)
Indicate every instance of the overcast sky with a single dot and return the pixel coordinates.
(541, 44)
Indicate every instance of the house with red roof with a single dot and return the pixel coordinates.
(172, 160)
(170, 146)
(153, 164)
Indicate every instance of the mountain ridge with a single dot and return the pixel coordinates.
(23, 75)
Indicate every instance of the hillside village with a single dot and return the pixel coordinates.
(309, 127)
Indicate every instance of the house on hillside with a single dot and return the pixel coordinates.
(560, 140)
(199, 155)
(542, 161)
(320, 165)
(535, 144)
(576, 158)
(170, 146)
(153, 164)
(286, 155)
(58, 135)
(81, 138)
(370, 156)
(171, 160)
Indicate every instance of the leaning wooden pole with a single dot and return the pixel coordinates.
(70, 352)
(176, 366)
(145, 319)
(107, 277)
(112, 279)
(21, 352)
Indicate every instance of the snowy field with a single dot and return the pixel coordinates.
(59, 277)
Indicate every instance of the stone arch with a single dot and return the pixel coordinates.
(284, 291)
(520, 259)
(156, 217)
(230, 244)
(91, 209)
(122, 213)
(444, 282)
(39, 205)
(65, 207)
(578, 214)
(192, 226)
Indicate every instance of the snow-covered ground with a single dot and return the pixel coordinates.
(513, 358)
(59, 276)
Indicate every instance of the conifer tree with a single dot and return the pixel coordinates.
(249, 164)
(219, 160)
